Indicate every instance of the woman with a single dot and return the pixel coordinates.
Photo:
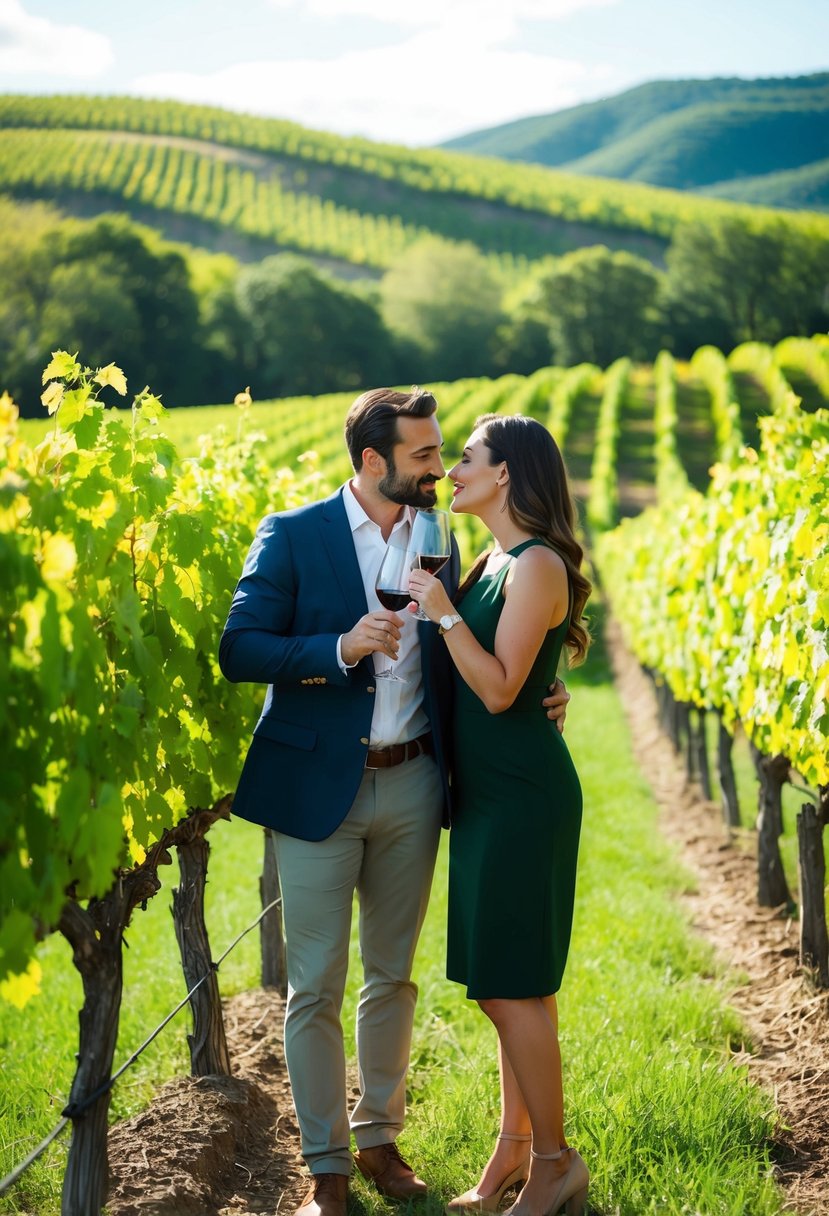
(515, 827)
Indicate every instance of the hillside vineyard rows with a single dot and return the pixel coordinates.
(346, 198)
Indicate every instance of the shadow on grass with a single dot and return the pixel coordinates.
(361, 1202)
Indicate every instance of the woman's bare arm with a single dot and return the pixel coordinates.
(536, 599)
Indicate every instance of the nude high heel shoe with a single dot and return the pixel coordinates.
(572, 1189)
(474, 1201)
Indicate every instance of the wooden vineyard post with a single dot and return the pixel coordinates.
(814, 943)
(661, 691)
(669, 715)
(209, 1054)
(684, 738)
(773, 772)
(96, 936)
(272, 941)
(725, 771)
(672, 719)
(699, 747)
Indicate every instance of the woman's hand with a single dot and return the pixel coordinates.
(430, 593)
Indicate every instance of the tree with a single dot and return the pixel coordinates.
(444, 299)
(522, 342)
(308, 333)
(22, 229)
(745, 279)
(101, 286)
(155, 278)
(601, 305)
(224, 331)
(88, 309)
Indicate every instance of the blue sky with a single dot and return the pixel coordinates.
(416, 72)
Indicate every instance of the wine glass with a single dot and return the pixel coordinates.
(429, 544)
(392, 589)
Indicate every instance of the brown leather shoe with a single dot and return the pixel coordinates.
(392, 1176)
(326, 1197)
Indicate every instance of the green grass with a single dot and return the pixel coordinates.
(579, 445)
(696, 439)
(665, 1122)
(635, 463)
(754, 404)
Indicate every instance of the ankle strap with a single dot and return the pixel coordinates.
(565, 1148)
(514, 1136)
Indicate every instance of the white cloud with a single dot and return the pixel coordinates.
(435, 84)
(35, 45)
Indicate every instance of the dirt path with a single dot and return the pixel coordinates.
(788, 1020)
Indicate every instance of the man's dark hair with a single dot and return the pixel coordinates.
(372, 420)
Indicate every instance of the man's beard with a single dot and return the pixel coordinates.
(408, 491)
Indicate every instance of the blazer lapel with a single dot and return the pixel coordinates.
(339, 544)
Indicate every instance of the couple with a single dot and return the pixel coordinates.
(352, 775)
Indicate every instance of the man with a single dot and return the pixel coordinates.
(352, 775)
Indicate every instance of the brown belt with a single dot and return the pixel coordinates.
(389, 757)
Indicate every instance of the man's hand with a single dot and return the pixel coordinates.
(376, 631)
(556, 704)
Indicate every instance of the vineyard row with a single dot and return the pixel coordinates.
(617, 205)
(46, 163)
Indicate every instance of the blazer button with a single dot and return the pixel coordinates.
(370, 688)
(365, 741)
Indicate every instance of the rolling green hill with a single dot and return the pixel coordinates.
(211, 177)
(685, 135)
(810, 184)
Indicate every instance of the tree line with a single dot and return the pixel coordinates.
(199, 326)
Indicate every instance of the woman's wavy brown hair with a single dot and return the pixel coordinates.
(538, 500)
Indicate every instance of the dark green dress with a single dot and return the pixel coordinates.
(516, 819)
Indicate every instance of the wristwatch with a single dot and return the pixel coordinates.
(449, 622)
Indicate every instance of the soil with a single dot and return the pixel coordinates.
(217, 1146)
(229, 1146)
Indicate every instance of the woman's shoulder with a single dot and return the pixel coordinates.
(539, 565)
(537, 549)
(540, 557)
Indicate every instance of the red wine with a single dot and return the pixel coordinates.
(396, 601)
(431, 562)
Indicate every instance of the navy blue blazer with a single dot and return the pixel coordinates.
(301, 587)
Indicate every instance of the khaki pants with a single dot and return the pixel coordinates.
(385, 850)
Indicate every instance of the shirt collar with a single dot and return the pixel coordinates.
(357, 517)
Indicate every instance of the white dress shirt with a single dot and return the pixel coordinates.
(398, 708)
